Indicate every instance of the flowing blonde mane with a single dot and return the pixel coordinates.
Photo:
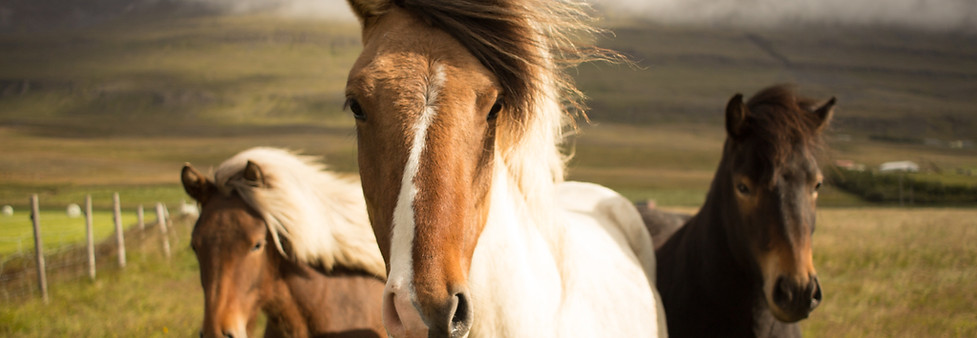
(321, 215)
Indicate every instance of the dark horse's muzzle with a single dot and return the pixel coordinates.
(796, 301)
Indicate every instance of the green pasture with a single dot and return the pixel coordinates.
(885, 272)
(58, 230)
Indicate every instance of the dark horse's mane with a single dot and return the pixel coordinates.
(778, 134)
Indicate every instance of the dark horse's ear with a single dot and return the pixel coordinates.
(735, 116)
(253, 174)
(196, 184)
(824, 113)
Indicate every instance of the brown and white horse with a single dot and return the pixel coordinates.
(459, 123)
(742, 266)
(278, 233)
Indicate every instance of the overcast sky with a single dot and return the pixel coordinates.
(939, 15)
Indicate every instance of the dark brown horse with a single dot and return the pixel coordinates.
(742, 266)
(661, 224)
(276, 233)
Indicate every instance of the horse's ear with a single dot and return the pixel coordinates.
(196, 184)
(824, 113)
(253, 174)
(366, 9)
(735, 116)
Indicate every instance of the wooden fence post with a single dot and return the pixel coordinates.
(161, 218)
(119, 235)
(38, 249)
(139, 215)
(90, 236)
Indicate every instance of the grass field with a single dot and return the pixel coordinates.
(57, 229)
(121, 105)
(885, 273)
(896, 273)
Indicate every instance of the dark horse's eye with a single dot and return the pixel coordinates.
(817, 186)
(354, 106)
(742, 188)
(494, 112)
(257, 246)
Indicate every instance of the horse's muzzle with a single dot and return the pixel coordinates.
(795, 301)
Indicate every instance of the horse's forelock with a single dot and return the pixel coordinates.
(781, 121)
(525, 44)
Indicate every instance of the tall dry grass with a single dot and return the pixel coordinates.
(896, 273)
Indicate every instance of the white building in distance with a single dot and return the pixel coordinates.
(904, 166)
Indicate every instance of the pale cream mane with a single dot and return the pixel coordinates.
(321, 215)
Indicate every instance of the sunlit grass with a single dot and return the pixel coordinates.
(58, 230)
(151, 297)
(895, 272)
(885, 272)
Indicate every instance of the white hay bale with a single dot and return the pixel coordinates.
(73, 210)
(189, 209)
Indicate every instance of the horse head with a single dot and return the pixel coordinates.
(230, 242)
(772, 183)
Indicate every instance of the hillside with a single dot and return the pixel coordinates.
(123, 102)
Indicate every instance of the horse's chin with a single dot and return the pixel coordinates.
(782, 315)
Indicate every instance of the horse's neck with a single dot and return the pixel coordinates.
(700, 279)
(284, 303)
(307, 300)
(537, 278)
(701, 250)
(514, 247)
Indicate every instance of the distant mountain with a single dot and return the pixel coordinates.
(44, 15)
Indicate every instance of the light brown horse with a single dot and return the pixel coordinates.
(459, 126)
(279, 234)
(742, 266)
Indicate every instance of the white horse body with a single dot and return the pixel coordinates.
(552, 277)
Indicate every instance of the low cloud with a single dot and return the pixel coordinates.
(938, 15)
(318, 9)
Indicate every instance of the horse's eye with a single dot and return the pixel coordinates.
(494, 112)
(817, 186)
(257, 246)
(357, 110)
(742, 188)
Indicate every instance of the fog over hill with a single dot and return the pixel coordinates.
(958, 16)
(932, 15)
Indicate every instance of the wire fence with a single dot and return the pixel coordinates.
(78, 252)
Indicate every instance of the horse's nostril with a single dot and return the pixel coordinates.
(461, 318)
(782, 294)
(816, 292)
(228, 335)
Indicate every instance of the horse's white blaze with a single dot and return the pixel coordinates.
(402, 241)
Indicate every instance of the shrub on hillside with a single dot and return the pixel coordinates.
(879, 187)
